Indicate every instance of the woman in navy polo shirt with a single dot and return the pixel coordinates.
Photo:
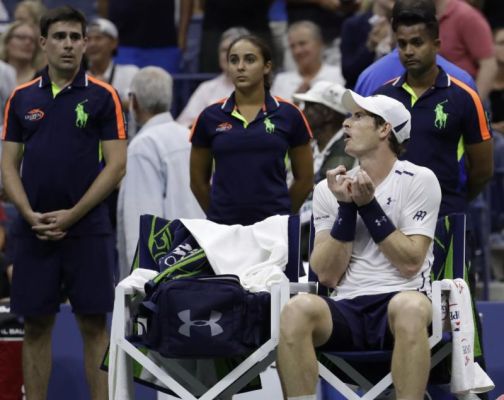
(245, 138)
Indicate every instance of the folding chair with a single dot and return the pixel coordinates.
(177, 380)
(344, 371)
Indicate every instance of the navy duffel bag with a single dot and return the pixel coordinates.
(204, 317)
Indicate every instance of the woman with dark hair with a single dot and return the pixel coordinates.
(244, 140)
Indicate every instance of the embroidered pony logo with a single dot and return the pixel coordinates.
(441, 116)
(81, 116)
(270, 126)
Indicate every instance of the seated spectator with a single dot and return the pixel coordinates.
(29, 11)
(157, 173)
(497, 93)
(19, 48)
(466, 40)
(325, 114)
(7, 85)
(102, 46)
(365, 37)
(328, 14)
(375, 254)
(306, 46)
(215, 89)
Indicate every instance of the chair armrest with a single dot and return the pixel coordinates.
(437, 314)
(303, 287)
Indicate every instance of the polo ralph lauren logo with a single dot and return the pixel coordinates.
(81, 116)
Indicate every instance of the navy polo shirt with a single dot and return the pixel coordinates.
(249, 181)
(61, 137)
(444, 119)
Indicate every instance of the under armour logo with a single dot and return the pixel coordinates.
(420, 215)
(379, 221)
(389, 200)
(185, 317)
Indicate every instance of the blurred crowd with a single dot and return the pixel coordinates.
(324, 41)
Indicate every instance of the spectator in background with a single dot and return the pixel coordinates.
(306, 46)
(157, 173)
(149, 32)
(325, 113)
(466, 40)
(19, 49)
(102, 46)
(328, 14)
(365, 37)
(219, 15)
(389, 67)
(29, 11)
(497, 93)
(248, 135)
(215, 89)
(7, 85)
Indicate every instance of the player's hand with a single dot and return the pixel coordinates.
(362, 188)
(339, 183)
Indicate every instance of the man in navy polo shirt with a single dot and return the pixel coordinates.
(449, 133)
(67, 130)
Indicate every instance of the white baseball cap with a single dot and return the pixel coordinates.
(391, 110)
(104, 26)
(324, 92)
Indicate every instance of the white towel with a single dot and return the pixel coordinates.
(120, 368)
(467, 376)
(256, 253)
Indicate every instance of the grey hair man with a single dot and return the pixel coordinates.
(157, 173)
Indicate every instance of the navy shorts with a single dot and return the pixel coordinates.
(360, 323)
(82, 268)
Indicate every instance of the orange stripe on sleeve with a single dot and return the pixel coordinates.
(7, 105)
(221, 101)
(193, 127)
(485, 133)
(117, 103)
(301, 112)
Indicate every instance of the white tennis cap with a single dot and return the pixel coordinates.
(324, 92)
(391, 110)
(104, 26)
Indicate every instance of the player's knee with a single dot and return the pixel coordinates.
(409, 313)
(299, 316)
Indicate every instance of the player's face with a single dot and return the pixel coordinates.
(64, 46)
(246, 65)
(362, 135)
(417, 48)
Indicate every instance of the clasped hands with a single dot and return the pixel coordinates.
(51, 225)
(358, 189)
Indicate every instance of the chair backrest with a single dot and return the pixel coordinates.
(157, 236)
(449, 248)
